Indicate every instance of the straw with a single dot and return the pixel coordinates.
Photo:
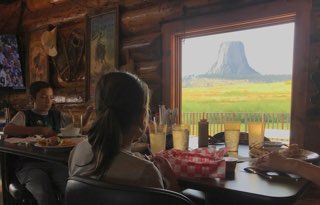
(81, 124)
(160, 114)
(70, 112)
(155, 124)
(163, 111)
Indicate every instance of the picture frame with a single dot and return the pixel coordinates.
(37, 59)
(102, 46)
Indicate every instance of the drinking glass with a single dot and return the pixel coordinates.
(180, 136)
(231, 138)
(256, 134)
(157, 134)
(232, 125)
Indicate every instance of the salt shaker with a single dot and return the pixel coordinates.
(203, 133)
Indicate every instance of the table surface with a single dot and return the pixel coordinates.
(242, 182)
(253, 184)
(29, 150)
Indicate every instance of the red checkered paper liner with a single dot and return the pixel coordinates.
(199, 163)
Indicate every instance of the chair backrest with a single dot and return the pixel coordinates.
(84, 191)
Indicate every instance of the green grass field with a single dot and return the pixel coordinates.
(238, 96)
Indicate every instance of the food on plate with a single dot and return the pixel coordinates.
(58, 142)
(293, 151)
(258, 152)
(67, 143)
(50, 141)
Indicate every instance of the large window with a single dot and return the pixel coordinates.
(242, 75)
(269, 14)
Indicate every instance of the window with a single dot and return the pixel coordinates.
(251, 17)
(241, 75)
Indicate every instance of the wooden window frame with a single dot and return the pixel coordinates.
(265, 14)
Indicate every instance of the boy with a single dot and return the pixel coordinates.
(41, 178)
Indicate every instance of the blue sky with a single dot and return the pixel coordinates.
(269, 50)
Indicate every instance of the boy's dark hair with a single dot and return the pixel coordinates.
(36, 86)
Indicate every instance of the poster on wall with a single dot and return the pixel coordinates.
(102, 46)
(37, 58)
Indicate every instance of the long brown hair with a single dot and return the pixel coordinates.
(121, 98)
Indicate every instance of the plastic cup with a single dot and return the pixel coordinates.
(232, 125)
(231, 138)
(231, 163)
(157, 134)
(256, 134)
(180, 136)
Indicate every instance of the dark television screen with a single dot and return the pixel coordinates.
(11, 75)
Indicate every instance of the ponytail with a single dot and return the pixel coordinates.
(121, 98)
(104, 135)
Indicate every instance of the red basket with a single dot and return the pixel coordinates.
(199, 163)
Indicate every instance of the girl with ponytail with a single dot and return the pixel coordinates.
(122, 110)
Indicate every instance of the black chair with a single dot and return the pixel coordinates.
(197, 196)
(19, 195)
(84, 191)
(18, 192)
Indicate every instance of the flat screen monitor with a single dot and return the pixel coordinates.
(11, 71)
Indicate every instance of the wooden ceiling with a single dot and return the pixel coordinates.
(9, 16)
(25, 10)
(13, 10)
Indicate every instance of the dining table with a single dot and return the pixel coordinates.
(241, 188)
(248, 188)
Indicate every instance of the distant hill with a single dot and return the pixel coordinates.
(203, 81)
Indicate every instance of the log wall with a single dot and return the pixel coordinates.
(140, 39)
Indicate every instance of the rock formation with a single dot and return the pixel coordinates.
(232, 61)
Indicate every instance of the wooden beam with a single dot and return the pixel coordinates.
(140, 41)
(148, 19)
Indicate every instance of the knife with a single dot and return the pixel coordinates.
(255, 171)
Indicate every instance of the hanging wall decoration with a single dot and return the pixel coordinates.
(102, 46)
(37, 57)
(69, 67)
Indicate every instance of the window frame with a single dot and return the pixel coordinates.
(255, 16)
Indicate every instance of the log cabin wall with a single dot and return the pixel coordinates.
(140, 40)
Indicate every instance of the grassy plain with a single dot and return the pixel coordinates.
(238, 96)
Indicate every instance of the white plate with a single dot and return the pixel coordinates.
(309, 156)
(305, 155)
(63, 136)
(272, 144)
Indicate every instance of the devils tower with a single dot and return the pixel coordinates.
(232, 61)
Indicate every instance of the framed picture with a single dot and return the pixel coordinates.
(37, 59)
(102, 46)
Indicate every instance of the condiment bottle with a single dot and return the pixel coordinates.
(203, 133)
